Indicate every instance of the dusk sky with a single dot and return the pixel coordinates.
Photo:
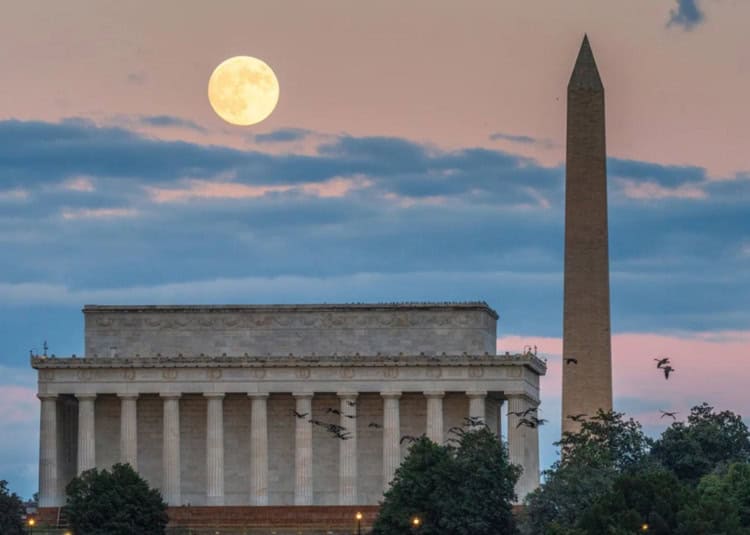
(416, 154)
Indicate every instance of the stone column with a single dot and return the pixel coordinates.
(500, 410)
(477, 406)
(214, 448)
(391, 436)
(49, 489)
(523, 445)
(435, 416)
(348, 450)
(171, 450)
(303, 478)
(86, 432)
(129, 429)
(259, 450)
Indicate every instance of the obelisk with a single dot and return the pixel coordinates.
(587, 380)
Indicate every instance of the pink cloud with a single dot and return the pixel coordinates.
(206, 189)
(710, 366)
(14, 195)
(653, 191)
(83, 183)
(18, 404)
(99, 213)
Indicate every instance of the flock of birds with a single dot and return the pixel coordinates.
(663, 364)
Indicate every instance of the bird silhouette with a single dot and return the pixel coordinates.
(376, 426)
(672, 415)
(333, 411)
(298, 415)
(538, 421)
(526, 422)
(351, 403)
(407, 437)
(474, 421)
(571, 360)
(667, 371)
(661, 361)
(576, 417)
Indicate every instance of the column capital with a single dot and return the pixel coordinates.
(477, 393)
(390, 395)
(128, 395)
(347, 395)
(214, 395)
(170, 395)
(257, 395)
(434, 394)
(46, 396)
(522, 396)
(303, 394)
(85, 397)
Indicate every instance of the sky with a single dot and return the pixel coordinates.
(416, 154)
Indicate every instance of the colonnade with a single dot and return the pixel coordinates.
(523, 443)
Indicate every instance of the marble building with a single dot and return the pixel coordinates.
(213, 404)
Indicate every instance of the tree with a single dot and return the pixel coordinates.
(119, 502)
(454, 490)
(606, 446)
(11, 511)
(708, 441)
(652, 497)
(722, 504)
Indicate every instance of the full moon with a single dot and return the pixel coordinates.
(243, 90)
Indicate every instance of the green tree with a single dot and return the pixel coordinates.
(11, 511)
(605, 447)
(706, 442)
(652, 497)
(454, 490)
(722, 504)
(119, 502)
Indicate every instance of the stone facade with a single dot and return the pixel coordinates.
(221, 430)
(587, 385)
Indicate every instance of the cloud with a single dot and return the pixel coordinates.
(15, 194)
(98, 213)
(522, 140)
(169, 121)
(652, 191)
(687, 14)
(80, 184)
(282, 135)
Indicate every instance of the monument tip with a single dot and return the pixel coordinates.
(585, 74)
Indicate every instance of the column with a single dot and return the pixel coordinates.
(477, 406)
(129, 429)
(500, 410)
(214, 448)
(435, 416)
(348, 450)
(303, 479)
(49, 491)
(258, 450)
(86, 432)
(391, 437)
(523, 445)
(171, 450)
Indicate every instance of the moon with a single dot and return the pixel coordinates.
(243, 90)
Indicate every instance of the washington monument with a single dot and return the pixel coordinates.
(587, 354)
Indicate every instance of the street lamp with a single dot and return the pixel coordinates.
(644, 527)
(416, 522)
(359, 516)
(32, 523)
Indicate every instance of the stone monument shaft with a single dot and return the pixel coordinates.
(587, 384)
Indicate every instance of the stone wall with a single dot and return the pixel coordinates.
(129, 331)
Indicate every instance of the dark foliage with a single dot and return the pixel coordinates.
(119, 502)
(11, 511)
(461, 490)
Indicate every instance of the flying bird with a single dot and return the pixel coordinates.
(571, 360)
(474, 421)
(576, 417)
(334, 411)
(376, 426)
(527, 423)
(670, 414)
(661, 362)
(298, 415)
(407, 437)
(667, 371)
(538, 421)
(351, 403)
